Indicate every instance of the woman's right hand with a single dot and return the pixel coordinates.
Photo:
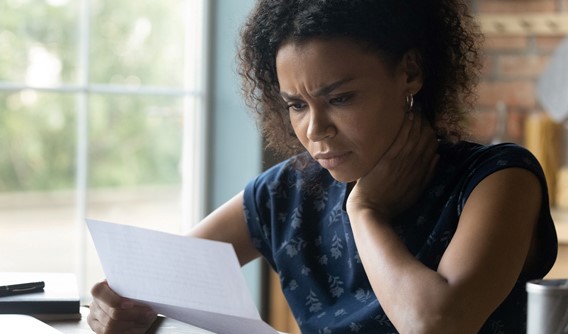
(111, 313)
(402, 173)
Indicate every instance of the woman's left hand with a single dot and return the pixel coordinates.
(401, 174)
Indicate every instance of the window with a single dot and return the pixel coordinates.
(102, 115)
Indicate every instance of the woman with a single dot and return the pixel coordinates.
(384, 220)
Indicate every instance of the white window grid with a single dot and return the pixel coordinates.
(194, 142)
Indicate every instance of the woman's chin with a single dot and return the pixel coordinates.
(342, 177)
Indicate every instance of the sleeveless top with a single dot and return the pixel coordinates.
(296, 217)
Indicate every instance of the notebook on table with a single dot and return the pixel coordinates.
(58, 300)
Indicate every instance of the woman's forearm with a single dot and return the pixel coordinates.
(415, 298)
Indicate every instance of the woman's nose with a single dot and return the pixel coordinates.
(320, 125)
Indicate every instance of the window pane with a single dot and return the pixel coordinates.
(37, 200)
(138, 42)
(134, 160)
(39, 42)
(133, 145)
(38, 141)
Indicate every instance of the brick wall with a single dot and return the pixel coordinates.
(512, 66)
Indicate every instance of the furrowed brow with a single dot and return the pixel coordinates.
(322, 91)
(325, 90)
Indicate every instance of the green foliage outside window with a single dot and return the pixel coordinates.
(132, 139)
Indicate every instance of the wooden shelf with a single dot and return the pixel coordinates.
(524, 24)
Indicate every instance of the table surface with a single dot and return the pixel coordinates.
(166, 325)
(161, 326)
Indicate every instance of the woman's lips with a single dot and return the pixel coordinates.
(331, 160)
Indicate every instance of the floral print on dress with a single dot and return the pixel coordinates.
(297, 220)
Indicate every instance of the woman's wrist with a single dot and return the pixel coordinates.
(362, 213)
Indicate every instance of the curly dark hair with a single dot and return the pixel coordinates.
(441, 31)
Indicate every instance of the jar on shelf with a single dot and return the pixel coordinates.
(544, 138)
(562, 177)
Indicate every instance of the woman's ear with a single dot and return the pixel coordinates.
(412, 68)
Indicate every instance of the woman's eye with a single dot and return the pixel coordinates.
(340, 99)
(296, 106)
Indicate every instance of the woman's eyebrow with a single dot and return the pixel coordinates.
(322, 91)
(325, 90)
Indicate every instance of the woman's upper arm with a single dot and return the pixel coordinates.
(493, 238)
(228, 224)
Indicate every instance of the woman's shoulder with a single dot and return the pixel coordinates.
(474, 155)
(470, 163)
(472, 148)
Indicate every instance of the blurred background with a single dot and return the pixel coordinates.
(129, 111)
(112, 110)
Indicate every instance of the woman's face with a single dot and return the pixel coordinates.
(345, 105)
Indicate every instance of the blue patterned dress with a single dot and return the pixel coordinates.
(296, 217)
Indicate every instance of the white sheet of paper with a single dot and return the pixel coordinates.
(188, 279)
(20, 323)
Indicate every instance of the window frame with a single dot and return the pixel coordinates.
(195, 121)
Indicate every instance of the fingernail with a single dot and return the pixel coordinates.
(410, 115)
